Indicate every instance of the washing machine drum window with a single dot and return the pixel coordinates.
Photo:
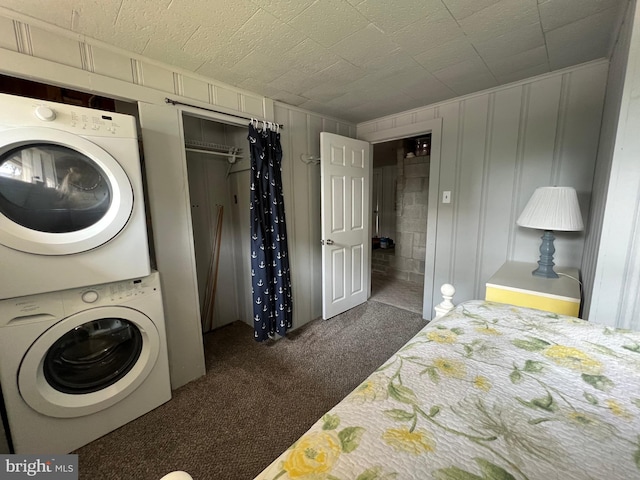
(52, 188)
(93, 356)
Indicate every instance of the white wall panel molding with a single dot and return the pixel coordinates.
(497, 146)
(614, 299)
(630, 301)
(23, 37)
(455, 197)
(484, 213)
(519, 159)
(330, 124)
(136, 72)
(178, 84)
(560, 130)
(86, 57)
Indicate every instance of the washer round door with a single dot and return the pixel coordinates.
(88, 362)
(59, 193)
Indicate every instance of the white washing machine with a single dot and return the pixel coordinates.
(77, 364)
(71, 199)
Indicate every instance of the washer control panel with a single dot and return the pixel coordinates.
(114, 293)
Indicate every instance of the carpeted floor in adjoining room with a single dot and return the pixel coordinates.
(255, 400)
(397, 292)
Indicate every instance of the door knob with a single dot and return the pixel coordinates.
(329, 242)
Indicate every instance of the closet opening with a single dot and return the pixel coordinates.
(400, 194)
(218, 171)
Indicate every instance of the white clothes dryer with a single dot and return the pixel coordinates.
(71, 198)
(77, 364)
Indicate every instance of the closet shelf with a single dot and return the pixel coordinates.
(212, 148)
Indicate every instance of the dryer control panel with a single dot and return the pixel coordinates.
(28, 112)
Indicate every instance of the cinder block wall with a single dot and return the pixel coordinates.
(406, 260)
(411, 225)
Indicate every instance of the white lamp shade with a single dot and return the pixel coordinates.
(552, 208)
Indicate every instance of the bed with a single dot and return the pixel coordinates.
(488, 391)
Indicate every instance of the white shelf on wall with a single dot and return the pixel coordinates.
(209, 148)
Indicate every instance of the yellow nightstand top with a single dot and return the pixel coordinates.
(517, 277)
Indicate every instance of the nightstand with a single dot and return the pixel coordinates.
(514, 284)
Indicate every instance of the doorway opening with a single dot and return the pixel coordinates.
(400, 199)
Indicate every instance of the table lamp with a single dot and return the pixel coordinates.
(549, 209)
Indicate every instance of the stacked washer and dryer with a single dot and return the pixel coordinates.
(82, 333)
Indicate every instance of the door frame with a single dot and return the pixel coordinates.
(434, 127)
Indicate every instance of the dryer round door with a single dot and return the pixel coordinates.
(88, 362)
(60, 193)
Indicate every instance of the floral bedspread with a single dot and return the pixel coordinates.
(489, 391)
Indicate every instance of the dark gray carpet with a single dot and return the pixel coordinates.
(255, 400)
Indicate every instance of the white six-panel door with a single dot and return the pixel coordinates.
(346, 223)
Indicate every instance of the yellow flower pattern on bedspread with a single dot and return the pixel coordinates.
(489, 391)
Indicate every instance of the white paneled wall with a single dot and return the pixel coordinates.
(48, 54)
(614, 246)
(302, 202)
(496, 148)
(45, 53)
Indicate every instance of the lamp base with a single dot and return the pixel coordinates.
(545, 264)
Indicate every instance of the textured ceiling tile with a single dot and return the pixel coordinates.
(364, 46)
(467, 84)
(521, 61)
(309, 56)
(500, 18)
(428, 89)
(261, 32)
(328, 110)
(253, 85)
(378, 107)
(466, 76)
(220, 73)
(510, 43)
(60, 15)
(403, 13)
(396, 62)
(295, 82)
(395, 80)
(91, 16)
(522, 74)
(267, 46)
(285, 10)
(580, 41)
(437, 28)
(463, 8)
(341, 72)
(168, 48)
(556, 13)
(329, 21)
(260, 66)
(129, 26)
(290, 98)
(446, 55)
(324, 92)
(434, 94)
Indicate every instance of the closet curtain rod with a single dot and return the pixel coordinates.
(176, 102)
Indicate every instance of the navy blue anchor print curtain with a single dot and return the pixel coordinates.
(270, 274)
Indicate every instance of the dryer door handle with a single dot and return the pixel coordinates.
(25, 319)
